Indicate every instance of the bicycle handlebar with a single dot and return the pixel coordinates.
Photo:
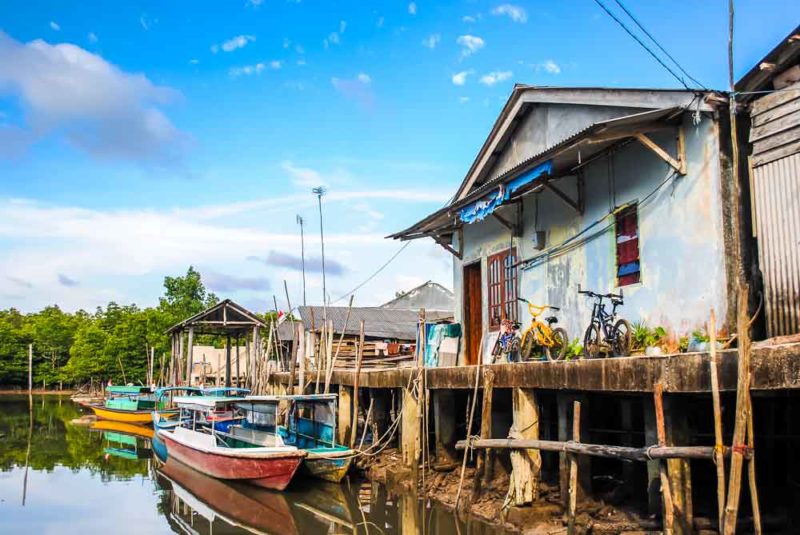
(601, 296)
(537, 308)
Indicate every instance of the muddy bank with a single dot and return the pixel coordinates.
(486, 501)
(36, 392)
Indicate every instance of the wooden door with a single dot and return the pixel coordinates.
(473, 313)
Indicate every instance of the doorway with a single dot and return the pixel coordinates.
(473, 312)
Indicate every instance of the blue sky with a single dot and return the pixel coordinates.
(137, 138)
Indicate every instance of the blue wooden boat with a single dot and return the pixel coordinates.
(166, 414)
(311, 427)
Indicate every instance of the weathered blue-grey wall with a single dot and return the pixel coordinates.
(680, 237)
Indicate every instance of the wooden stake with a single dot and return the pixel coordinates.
(293, 363)
(751, 473)
(719, 458)
(329, 372)
(471, 416)
(662, 467)
(573, 468)
(742, 408)
(30, 369)
(359, 357)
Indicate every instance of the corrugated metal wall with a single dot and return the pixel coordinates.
(776, 194)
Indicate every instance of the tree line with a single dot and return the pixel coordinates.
(113, 343)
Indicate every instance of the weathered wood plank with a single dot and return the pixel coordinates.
(774, 127)
(772, 100)
(773, 142)
(779, 111)
(777, 154)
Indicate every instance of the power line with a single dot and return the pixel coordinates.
(629, 32)
(354, 290)
(627, 12)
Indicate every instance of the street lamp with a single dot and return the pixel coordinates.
(302, 256)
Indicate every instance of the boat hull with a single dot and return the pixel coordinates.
(138, 417)
(327, 468)
(272, 471)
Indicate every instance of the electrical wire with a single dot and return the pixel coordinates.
(641, 27)
(354, 290)
(643, 45)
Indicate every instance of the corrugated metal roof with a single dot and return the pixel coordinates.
(378, 322)
(565, 152)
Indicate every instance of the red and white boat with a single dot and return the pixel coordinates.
(236, 453)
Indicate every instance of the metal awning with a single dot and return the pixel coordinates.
(560, 160)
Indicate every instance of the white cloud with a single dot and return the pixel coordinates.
(255, 3)
(194, 61)
(492, 78)
(55, 26)
(275, 64)
(234, 43)
(550, 66)
(342, 26)
(94, 105)
(303, 177)
(463, 100)
(469, 19)
(113, 254)
(431, 41)
(146, 22)
(335, 38)
(92, 37)
(412, 8)
(470, 44)
(357, 89)
(515, 13)
(247, 70)
(301, 62)
(460, 78)
(380, 22)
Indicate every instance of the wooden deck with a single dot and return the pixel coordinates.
(775, 367)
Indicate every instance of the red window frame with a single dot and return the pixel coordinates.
(626, 223)
(502, 285)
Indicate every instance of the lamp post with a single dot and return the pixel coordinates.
(302, 257)
(319, 191)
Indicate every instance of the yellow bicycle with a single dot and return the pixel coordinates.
(552, 340)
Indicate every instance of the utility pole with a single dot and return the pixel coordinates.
(302, 257)
(736, 186)
(319, 191)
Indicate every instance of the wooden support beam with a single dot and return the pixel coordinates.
(679, 470)
(449, 248)
(444, 424)
(666, 491)
(564, 404)
(573, 468)
(343, 428)
(564, 197)
(410, 430)
(680, 164)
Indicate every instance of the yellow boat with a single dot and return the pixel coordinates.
(134, 417)
(132, 404)
(123, 427)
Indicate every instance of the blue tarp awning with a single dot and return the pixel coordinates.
(483, 207)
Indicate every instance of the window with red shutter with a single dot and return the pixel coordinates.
(627, 233)
(502, 286)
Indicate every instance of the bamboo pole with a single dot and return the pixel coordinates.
(573, 468)
(329, 371)
(742, 408)
(666, 492)
(293, 363)
(359, 357)
(751, 473)
(719, 459)
(471, 417)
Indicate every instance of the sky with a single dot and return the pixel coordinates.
(138, 138)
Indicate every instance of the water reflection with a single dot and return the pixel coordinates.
(105, 478)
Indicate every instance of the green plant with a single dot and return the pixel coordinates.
(574, 350)
(644, 336)
(700, 336)
(683, 344)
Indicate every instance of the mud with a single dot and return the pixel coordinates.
(487, 503)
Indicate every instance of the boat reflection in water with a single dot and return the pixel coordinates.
(125, 440)
(194, 495)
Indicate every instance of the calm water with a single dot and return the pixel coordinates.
(81, 480)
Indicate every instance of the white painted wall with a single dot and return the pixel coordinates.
(680, 238)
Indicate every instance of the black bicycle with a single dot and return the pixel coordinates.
(604, 330)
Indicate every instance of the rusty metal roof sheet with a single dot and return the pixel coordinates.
(378, 322)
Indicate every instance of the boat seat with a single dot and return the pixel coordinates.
(254, 436)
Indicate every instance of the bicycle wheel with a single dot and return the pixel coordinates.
(560, 342)
(591, 342)
(526, 347)
(621, 345)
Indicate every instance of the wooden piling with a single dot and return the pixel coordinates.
(345, 414)
(483, 470)
(526, 465)
(573, 468)
(666, 493)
